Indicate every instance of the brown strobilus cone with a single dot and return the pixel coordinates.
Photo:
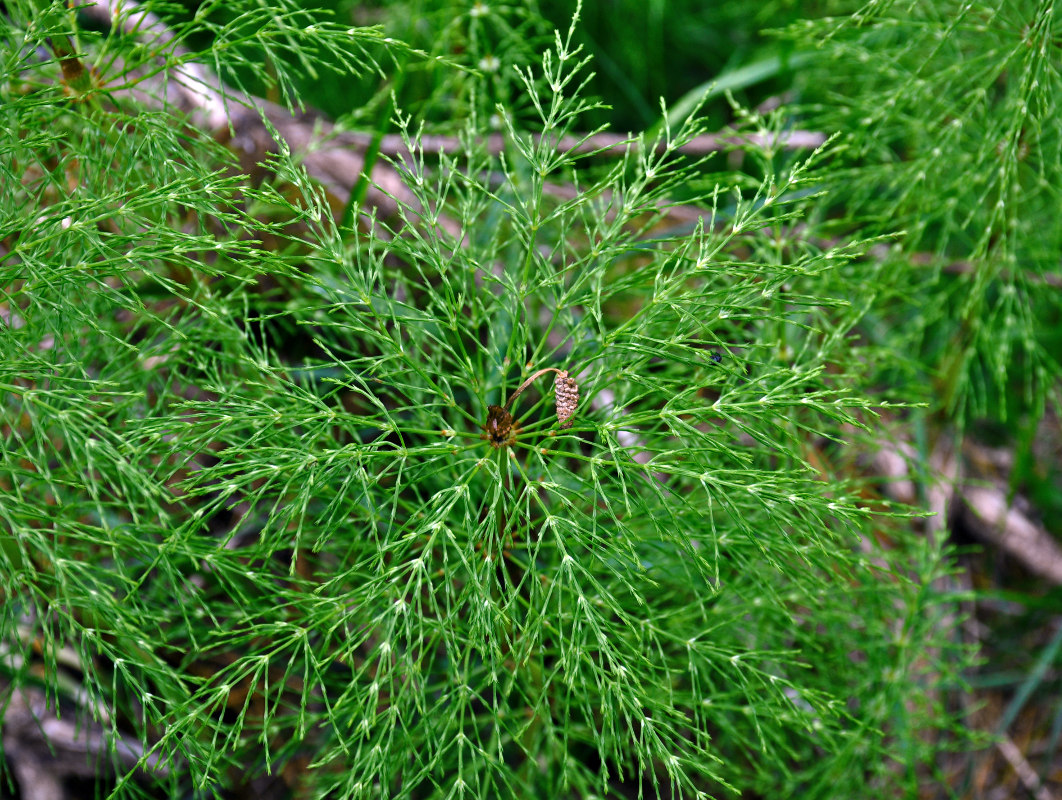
(567, 394)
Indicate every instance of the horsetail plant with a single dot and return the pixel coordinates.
(247, 502)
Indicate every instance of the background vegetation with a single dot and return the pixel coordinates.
(257, 538)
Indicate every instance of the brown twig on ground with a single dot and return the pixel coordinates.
(983, 506)
(967, 267)
(44, 749)
(335, 158)
(987, 513)
(1026, 774)
(599, 143)
(189, 87)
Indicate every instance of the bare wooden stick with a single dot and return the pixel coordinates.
(194, 89)
(984, 508)
(191, 87)
(603, 143)
(1026, 774)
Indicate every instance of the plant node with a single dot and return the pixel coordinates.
(501, 428)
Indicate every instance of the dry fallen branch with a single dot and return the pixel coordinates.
(189, 86)
(44, 749)
(988, 514)
(336, 158)
(983, 506)
(1023, 769)
(600, 143)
